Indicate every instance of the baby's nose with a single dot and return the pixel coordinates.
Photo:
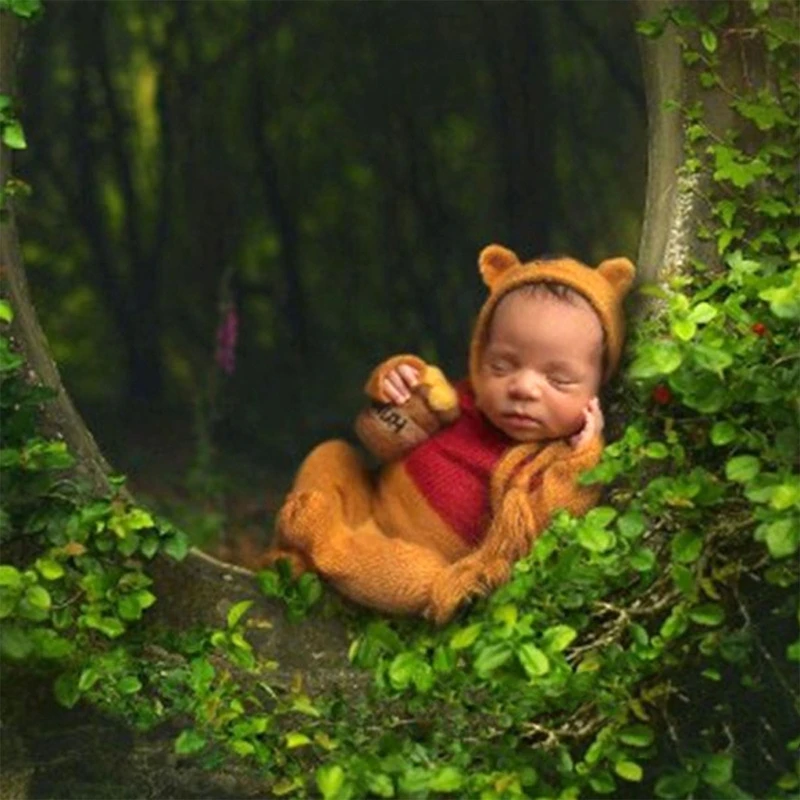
(527, 385)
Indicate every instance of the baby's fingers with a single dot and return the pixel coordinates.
(398, 383)
(598, 421)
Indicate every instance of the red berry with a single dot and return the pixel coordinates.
(759, 329)
(661, 395)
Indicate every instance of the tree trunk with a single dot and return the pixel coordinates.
(60, 418)
(673, 209)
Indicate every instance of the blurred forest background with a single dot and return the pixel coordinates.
(319, 176)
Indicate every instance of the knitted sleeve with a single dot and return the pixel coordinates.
(558, 487)
(389, 432)
(545, 485)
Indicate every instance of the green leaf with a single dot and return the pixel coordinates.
(651, 28)
(533, 660)
(110, 626)
(558, 638)
(628, 770)
(702, 313)
(709, 40)
(655, 359)
(733, 166)
(742, 469)
(66, 689)
(492, 657)
(15, 642)
(766, 114)
(601, 517)
(295, 739)
(128, 607)
(137, 519)
(189, 741)
(38, 597)
(632, 524)
(144, 598)
(26, 9)
(242, 747)
(380, 786)
(684, 329)
(643, 559)
(595, 540)
(49, 569)
(783, 538)
(784, 301)
(149, 546)
(13, 135)
(6, 312)
(603, 783)
(711, 359)
(718, 770)
(656, 450)
(409, 667)
(88, 678)
(464, 637)
(130, 684)
(237, 611)
(49, 644)
(10, 577)
(676, 786)
(637, 736)
(177, 546)
(447, 779)
(330, 781)
(270, 583)
(710, 614)
(723, 433)
(726, 209)
(686, 547)
(675, 624)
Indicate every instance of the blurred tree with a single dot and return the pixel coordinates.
(345, 160)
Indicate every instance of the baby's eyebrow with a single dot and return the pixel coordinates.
(566, 365)
(563, 368)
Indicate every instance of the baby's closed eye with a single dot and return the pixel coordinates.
(501, 366)
(561, 379)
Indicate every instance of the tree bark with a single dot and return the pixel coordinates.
(60, 418)
(673, 209)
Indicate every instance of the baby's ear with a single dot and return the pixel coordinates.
(619, 272)
(493, 261)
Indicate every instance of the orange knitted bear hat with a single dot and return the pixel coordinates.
(604, 287)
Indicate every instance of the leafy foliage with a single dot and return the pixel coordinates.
(633, 651)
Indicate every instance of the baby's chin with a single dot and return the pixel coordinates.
(539, 433)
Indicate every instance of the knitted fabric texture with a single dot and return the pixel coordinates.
(604, 287)
(447, 520)
(452, 470)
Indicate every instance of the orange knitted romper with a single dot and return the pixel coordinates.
(448, 520)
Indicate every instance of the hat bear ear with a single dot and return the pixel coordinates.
(493, 261)
(619, 272)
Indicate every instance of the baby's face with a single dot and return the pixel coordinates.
(541, 366)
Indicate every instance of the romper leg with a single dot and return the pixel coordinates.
(335, 469)
(362, 563)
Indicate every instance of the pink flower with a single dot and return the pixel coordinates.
(227, 333)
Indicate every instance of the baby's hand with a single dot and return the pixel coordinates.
(593, 423)
(399, 382)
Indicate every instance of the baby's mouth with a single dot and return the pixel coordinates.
(519, 420)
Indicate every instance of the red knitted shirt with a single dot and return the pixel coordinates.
(452, 469)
